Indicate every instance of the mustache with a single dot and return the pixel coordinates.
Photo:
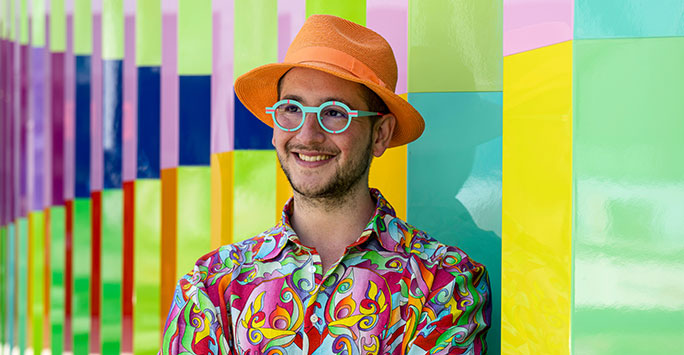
(289, 147)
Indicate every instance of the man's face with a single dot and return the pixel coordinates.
(319, 164)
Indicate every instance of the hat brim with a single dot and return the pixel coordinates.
(258, 89)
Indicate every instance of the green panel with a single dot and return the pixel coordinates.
(37, 279)
(254, 192)
(455, 46)
(112, 246)
(57, 253)
(147, 266)
(628, 245)
(57, 26)
(38, 23)
(3, 280)
(112, 29)
(195, 36)
(22, 289)
(83, 28)
(194, 216)
(81, 269)
(148, 33)
(11, 22)
(352, 10)
(256, 35)
(23, 23)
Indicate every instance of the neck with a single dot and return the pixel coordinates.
(330, 226)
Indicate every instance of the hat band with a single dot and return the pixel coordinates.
(335, 57)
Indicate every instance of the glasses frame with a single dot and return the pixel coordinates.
(317, 110)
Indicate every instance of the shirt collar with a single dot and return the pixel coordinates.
(271, 243)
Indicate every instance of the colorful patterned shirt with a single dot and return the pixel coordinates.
(394, 291)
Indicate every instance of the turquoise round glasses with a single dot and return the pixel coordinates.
(333, 116)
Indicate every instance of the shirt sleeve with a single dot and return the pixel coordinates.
(457, 312)
(194, 322)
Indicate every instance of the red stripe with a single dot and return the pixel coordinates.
(96, 267)
(128, 267)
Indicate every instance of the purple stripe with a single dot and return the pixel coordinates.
(169, 92)
(389, 18)
(222, 111)
(9, 94)
(3, 135)
(96, 152)
(47, 114)
(23, 133)
(57, 125)
(130, 104)
(38, 118)
(69, 112)
(290, 20)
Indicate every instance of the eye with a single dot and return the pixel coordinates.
(290, 108)
(335, 112)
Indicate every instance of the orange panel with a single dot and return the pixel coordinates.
(169, 201)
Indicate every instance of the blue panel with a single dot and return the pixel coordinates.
(250, 132)
(454, 180)
(82, 142)
(628, 18)
(112, 140)
(194, 120)
(149, 111)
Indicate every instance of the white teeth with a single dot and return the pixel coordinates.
(313, 157)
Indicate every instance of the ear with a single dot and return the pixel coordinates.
(382, 133)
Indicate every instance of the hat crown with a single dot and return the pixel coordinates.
(328, 40)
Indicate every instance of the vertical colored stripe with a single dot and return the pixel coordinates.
(130, 104)
(22, 276)
(47, 280)
(194, 37)
(473, 46)
(389, 174)
(169, 93)
(389, 18)
(38, 147)
(82, 127)
(3, 280)
(112, 30)
(57, 26)
(194, 119)
(148, 138)
(194, 222)
(354, 10)
(128, 263)
(69, 113)
(83, 27)
(96, 273)
(221, 199)
(81, 275)
(290, 20)
(10, 319)
(68, 276)
(255, 35)
(111, 252)
(112, 92)
(147, 261)
(38, 23)
(148, 35)
(57, 259)
(222, 121)
(169, 225)
(528, 25)
(57, 127)
(537, 126)
(37, 279)
(96, 97)
(23, 174)
(254, 193)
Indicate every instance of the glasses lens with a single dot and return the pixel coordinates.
(334, 117)
(288, 115)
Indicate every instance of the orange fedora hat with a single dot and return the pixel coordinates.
(341, 48)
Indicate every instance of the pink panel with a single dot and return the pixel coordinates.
(222, 122)
(291, 16)
(69, 114)
(530, 24)
(169, 86)
(96, 154)
(389, 18)
(130, 98)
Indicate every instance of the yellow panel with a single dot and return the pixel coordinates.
(221, 199)
(388, 174)
(537, 192)
(283, 190)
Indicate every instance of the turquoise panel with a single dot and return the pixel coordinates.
(454, 180)
(112, 269)
(81, 270)
(628, 18)
(628, 234)
(57, 259)
(22, 289)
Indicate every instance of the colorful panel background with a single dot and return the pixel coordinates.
(551, 154)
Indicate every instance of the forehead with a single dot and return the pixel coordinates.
(315, 87)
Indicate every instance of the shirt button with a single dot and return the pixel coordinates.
(314, 318)
(312, 268)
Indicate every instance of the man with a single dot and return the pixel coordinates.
(340, 273)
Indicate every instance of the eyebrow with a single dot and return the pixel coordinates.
(298, 98)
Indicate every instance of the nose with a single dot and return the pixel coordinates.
(311, 131)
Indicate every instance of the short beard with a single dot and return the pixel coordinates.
(341, 187)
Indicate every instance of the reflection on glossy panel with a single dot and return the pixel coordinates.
(454, 45)
(537, 147)
(628, 18)
(530, 24)
(454, 171)
(194, 216)
(629, 188)
(253, 195)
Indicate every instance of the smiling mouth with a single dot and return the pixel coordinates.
(318, 157)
